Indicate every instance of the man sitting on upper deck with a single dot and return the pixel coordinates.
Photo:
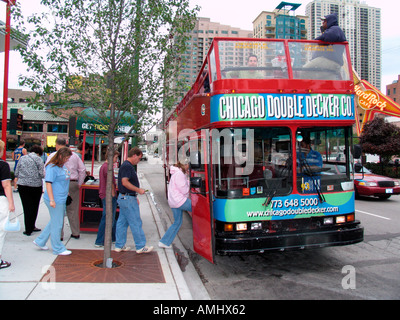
(332, 57)
(250, 73)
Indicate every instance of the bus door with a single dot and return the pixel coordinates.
(202, 215)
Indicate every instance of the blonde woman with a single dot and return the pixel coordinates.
(6, 200)
(57, 186)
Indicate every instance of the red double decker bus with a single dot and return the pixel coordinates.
(268, 128)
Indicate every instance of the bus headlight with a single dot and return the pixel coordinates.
(241, 226)
(341, 219)
(256, 226)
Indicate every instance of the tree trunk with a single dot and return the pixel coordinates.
(109, 209)
(110, 177)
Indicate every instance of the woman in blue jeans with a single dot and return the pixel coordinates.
(178, 193)
(57, 186)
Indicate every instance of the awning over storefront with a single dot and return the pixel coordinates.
(89, 120)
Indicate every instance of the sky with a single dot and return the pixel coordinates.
(240, 14)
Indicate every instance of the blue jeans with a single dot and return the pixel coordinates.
(53, 228)
(102, 226)
(172, 231)
(129, 215)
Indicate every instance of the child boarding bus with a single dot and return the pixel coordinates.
(268, 128)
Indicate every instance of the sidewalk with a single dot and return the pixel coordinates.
(30, 265)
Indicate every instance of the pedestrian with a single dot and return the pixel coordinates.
(129, 213)
(102, 194)
(178, 200)
(57, 181)
(78, 173)
(16, 155)
(30, 172)
(6, 200)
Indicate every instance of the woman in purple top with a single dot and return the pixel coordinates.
(102, 194)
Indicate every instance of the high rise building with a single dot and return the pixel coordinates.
(282, 23)
(200, 41)
(362, 27)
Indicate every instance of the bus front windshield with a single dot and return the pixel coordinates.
(258, 162)
(252, 162)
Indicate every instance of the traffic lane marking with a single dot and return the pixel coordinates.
(374, 215)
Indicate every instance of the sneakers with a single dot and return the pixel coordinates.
(145, 250)
(42, 248)
(45, 248)
(164, 246)
(65, 253)
(122, 249)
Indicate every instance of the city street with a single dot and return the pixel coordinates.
(368, 270)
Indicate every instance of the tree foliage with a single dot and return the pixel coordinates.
(106, 52)
(116, 56)
(381, 138)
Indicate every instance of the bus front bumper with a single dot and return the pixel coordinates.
(247, 243)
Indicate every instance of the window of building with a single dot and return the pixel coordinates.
(32, 127)
(60, 128)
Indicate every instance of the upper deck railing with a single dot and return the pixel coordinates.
(243, 65)
(279, 59)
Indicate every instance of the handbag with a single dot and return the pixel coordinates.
(69, 200)
(10, 226)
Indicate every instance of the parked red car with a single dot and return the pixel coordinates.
(369, 184)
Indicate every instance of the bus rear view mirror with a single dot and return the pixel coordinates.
(357, 151)
(195, 182)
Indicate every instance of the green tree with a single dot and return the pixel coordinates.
(381, 138)
(108, 54)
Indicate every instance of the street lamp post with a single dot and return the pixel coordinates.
(6, 64)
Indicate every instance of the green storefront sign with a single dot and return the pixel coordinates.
(89, 120)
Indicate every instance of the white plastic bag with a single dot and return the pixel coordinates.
(12, 224)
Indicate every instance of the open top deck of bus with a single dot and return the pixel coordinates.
(242, 65)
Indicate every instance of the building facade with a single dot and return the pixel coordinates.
(39, 127)
(200, 40)
(393, 90)
(362, 27)
(282, 23)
